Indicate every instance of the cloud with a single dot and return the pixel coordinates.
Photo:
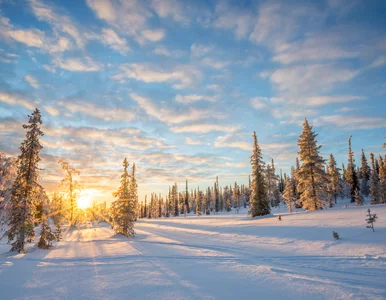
(77, 65)
(153, 35)
(15, 99)
(181, 76)
(190, 141)
(233, 18)
(170, 8)
(379, 62)
(169, 114)
(60, 22)
(260, 102)
(162, 50)
(199, 50)
(51, 110)
(104, 9)
(110, 38)
(305, 80)
(322, 100)
(104, 113)
(204, 128)
(351, 122)
(32, 81)
(30, 37)
(187, 99)
(232, 141)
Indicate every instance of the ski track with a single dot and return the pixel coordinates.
(219, 257)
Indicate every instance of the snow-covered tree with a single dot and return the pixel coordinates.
(311, 176)
(351, 174)
(288, 194)
(186, 198)
(259, 205)
(57, 213)
(72, 189)
(382, 180)
(8, 170)
(374, 182)
(26, 190)
(359, 198)
(364, 173)
(123, 209)
(334, 182)
(46, 234)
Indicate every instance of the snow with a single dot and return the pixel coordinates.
(227, 256)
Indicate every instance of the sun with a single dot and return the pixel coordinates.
(85, 198)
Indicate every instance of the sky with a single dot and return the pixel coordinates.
(178, 87)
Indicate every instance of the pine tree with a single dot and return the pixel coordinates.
(382, 180)
(359, 198)
(46, 234)
(8, 169)
(374, 182)
(259, 205)
(365, 173)
(57, 213)
(123, 209)
(134, 189)
(334, 183)
(216, 196)
(288, 194)
(26, 190)
(351, 175)
(72, 188)
(311, 176)
(187, 208)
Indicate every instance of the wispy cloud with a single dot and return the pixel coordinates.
(32, 81)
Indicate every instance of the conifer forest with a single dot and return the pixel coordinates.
(172, 149)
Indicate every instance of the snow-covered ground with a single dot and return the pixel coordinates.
(227, 256)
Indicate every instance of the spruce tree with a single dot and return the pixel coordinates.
(187, 208)
(374, 182)
(288, 194)
(46, 234)
(8, 170)
(365, 173)
(123, 209)
(311, 176)
(351, 175)
(359, 198)
(259, 205)
(334, 183)
(216, 196)
(382, 180)
(26, 190)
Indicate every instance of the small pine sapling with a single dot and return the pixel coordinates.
(371, 220)
(335, 235)
(279, 217)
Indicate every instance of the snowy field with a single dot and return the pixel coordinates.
(210, 257)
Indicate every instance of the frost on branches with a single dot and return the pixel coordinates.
(311, 176)
(259, 205)
(26, 191)
(7, 177)
(123, 210)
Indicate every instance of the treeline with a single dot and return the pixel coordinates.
(26, 209)
(313, 183)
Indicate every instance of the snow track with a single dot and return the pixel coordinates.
(215, 257)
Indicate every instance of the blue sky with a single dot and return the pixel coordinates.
(179, 86)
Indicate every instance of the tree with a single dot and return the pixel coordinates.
(364, 173)
(46, 234)
(134, 189)
(216, 196)
(351, 175)
(334, 183)
(26, 190)
(8, 169)
(288, 194)
(57, 213)
(382, 180)
(311, 176)
(123, 209)
(259, 205)
(72, 187)
(374, 182)
(186, 208)
(359, 198)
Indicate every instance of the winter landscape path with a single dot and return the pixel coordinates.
(211, 257)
